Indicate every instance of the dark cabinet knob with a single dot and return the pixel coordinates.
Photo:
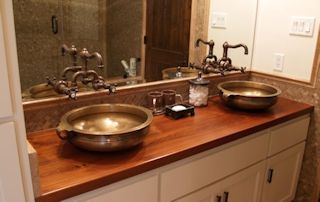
(226, 196)
(218, 198)
(270, 175)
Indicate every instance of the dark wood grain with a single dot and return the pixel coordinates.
(66, 171)
(168, 36)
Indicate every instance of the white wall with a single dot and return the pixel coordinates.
(269, 35)
(240, 26)
(272, 36)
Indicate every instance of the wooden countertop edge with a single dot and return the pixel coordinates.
(67, 192)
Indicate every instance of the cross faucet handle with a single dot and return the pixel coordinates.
(51, 81)
(72, 93)
(100, 83)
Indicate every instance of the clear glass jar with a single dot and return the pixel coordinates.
(199, 91)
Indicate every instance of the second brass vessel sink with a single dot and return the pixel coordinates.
(171, 73)
(105, 127)
(248, 95)
(45, 91)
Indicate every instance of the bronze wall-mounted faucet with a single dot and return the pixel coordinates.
(222, 65)
(90, 76)
(81, 73)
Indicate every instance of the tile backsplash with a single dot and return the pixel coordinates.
(47, 114)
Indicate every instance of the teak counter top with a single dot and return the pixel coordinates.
(66, 171)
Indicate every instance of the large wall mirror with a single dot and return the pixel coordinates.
(154, 37)
(113, 28)
(139, 41)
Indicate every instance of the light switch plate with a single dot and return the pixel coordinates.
(302, 26)
(219, 20)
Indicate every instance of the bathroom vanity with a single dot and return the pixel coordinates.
(219, 154)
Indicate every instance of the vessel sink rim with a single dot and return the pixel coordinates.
(65, 124)
(221, 88)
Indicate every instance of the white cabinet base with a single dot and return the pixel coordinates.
(235, 172)
(285, 167)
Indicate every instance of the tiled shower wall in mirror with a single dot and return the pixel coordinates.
(110, 27)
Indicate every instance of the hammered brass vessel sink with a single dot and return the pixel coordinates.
(248, 95)
(170, 73)
(105, 127)
(45, 91)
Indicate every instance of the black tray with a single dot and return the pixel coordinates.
(188, 111)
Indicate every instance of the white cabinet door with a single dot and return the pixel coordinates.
(5, 97)
(187, 178)
(282, 175)
(11, 188)
(244, 186)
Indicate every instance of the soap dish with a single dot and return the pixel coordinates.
(177, 111)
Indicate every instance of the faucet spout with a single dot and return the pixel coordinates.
(85, 55)
(76, 76)
(226, 45)
(86, 76)
(246, 51)
(73, 69)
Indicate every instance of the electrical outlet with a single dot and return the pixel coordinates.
(278, 62)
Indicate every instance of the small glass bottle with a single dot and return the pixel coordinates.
(199, 91)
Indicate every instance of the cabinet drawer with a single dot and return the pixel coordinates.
(288, 134)
(135, 189)
(187, 178)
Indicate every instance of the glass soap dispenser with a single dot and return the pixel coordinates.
(199, 91)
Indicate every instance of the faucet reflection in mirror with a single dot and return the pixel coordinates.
(80, 74)
(211, 64)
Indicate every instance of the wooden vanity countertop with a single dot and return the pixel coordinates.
(67, 171)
